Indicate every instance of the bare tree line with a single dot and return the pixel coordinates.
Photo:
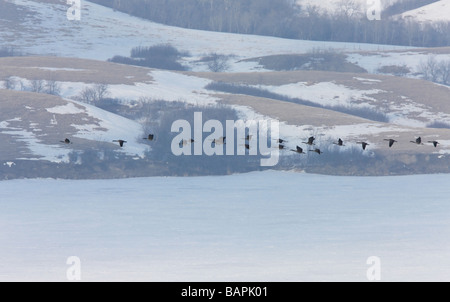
(282, 18)
(435, 71)
(35, 85)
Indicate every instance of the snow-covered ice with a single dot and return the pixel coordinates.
(261, 226)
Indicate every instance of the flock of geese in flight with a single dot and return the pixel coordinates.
(150, 137)
(281, 146)
(340, 142)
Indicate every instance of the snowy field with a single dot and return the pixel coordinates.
(103, 33)
(266, 226)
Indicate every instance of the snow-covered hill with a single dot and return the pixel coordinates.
(36, 125)
(404, 102)
(436, 12)
(260, 226)
(102, 33)
(431, 13)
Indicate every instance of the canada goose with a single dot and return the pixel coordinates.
(317, 151)
(150, 137)
(364, 145)
(220, 140)
(247, 146)
(281, 147)
(435, 143)
(340, 142)
(280, 141)
(184, 142)
(248, 137)
(391, 141)
(120, 141)
(66, 141)
(299, 150)
(310, 141)
(418, 141)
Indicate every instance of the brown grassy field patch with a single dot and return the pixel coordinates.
(72, 70)
(392, 88)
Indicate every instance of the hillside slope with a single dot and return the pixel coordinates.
(431, 13)
(43, 29)
(34, 124)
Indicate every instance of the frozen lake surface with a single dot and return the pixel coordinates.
(262, 226)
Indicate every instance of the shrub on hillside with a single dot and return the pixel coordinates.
(397, 70)
(163, 56)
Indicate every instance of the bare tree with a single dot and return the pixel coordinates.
(436, 71)
(218, 62)
(349, 8)
(93, 94)
(444, 68)
(101, 91)
(87, 95)
(37, 85)
(52, 87)
(9, 83)
(430, 69)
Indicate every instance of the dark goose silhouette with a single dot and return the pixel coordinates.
(299, 150)
(220, 140)
(184, 142)
(150, 137)
(418, 141)
(280, 141)
(317, 151)
(66, 141)
(340, 142)
(435, 143)
(364, 145)
(281, 147)
(391, 141)
(120, 141)
(310, 141)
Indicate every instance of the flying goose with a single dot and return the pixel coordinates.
(220, 140)
(120, 141)
(418, 141)
(364, 145)
(280, 140)
(391, 141)
(299, 150)
(184, 142)
(310, 141)
(317, 151)
(150, 137)
(435, 143)
(340, 142)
